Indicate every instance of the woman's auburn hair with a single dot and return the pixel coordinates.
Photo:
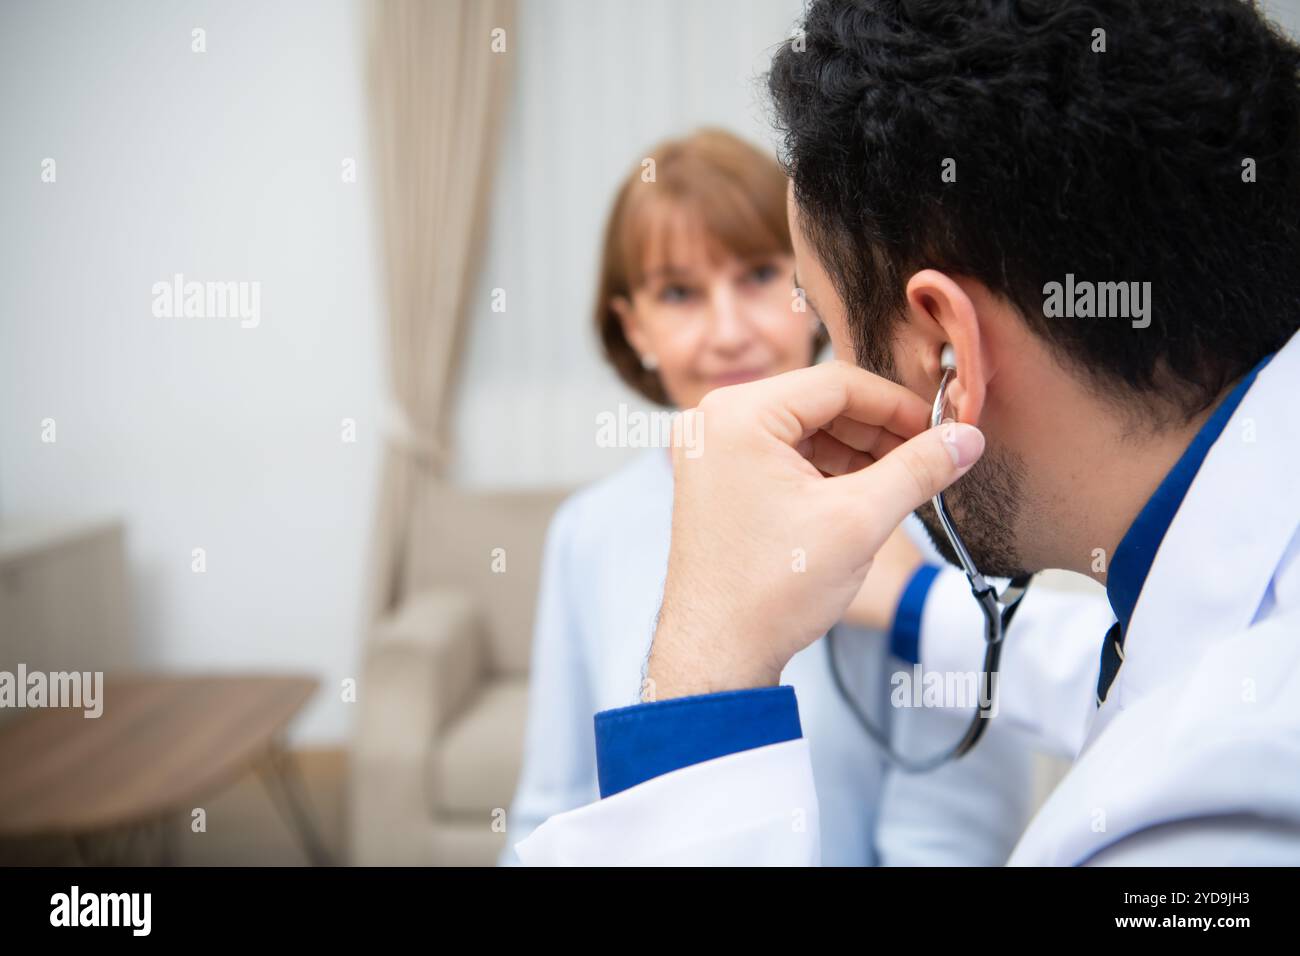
(730, 189)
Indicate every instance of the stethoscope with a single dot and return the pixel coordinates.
(998, 611)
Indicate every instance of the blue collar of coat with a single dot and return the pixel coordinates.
(1137, 550)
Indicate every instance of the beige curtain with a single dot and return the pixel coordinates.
(439, 87)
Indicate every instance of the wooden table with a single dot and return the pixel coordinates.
(163, 745)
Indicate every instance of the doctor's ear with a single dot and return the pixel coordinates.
(946, 318)
(965, 398)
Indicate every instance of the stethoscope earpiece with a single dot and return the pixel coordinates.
(948, 358)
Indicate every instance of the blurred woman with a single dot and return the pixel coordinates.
(696, 292)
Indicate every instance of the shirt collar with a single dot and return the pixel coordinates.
(1137, 550)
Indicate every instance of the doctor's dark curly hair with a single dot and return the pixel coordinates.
(1124, 165)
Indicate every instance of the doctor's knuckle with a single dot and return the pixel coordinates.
(718, 408)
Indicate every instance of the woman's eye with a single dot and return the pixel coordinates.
(674, 293)
(763, 273)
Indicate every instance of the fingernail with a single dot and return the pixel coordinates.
(965, 443)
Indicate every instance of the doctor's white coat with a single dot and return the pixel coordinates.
(1193, 759)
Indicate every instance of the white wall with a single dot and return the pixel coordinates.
(1286, 13)
(222, 166)
(598, 83)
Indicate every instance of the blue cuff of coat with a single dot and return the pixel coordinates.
(905, 635)
(634, 744)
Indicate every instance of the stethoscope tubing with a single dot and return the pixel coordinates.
(998, 610)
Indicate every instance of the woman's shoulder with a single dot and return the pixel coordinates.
(638, 495)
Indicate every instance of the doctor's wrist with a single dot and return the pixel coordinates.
(686, 662)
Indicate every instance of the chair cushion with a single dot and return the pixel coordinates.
(457, 538)
(476, 764)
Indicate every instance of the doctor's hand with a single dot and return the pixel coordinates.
(876, 603)
(778, 511)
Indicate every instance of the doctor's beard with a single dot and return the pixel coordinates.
(984, 503)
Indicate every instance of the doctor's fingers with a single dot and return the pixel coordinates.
(884, 493)
(833, 457)
(795, 405)
(845, 445)
(875, 440)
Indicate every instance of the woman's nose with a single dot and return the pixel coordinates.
(728, 325)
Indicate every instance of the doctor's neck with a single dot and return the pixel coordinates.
(1101, 469)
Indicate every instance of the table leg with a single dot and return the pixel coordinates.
(283, 779)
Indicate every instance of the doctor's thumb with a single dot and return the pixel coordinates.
(916, 471)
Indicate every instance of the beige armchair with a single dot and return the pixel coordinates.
(444, 683)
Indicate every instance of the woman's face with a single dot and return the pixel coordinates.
(704, 321)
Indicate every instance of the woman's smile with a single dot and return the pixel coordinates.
(739, 375)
